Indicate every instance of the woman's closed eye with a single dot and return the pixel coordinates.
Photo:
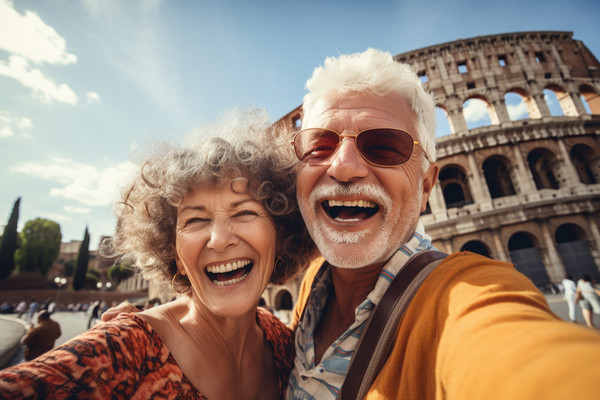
(245, 214)
(195, 220)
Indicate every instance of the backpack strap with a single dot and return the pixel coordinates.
(378, 336)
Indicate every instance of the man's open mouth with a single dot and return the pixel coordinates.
(350, 210)
(229, 273)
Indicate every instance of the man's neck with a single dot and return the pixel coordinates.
(352, 286)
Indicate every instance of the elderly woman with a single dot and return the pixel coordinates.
(218, 221)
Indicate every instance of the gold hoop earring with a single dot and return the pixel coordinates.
(180, 283)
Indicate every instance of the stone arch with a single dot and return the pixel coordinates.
(283, 300)
(571, 242)
(478, 112)
(444, 122)
(476, 246)
(591, 98)
(497, 171)
(455, 186)
(587, 163)
(545, 168)
(564, 99)
(520, 105)
(525, 254)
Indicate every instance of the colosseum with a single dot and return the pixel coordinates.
(518, 147)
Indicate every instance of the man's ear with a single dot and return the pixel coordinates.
(429, 179)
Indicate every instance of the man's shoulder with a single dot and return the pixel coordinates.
(477, 270)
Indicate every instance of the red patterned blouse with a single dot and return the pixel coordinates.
(124, 359)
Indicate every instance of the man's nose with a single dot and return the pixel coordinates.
(221, 236)
(347, 165)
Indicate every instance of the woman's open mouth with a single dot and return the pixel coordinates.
(229, 273)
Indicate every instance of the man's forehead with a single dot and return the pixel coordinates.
(360, 111)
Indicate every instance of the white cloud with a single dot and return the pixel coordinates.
(92, 97)
(57, 217)
(30, 44)
(77, 210)
(83, 183)
(42, 87)
(5, 132)
(475, 110)
(11, 126)
(517, 111)
(28, 36)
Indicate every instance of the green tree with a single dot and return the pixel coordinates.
(83, 259)
(9, 242)
(120, 272)
(40, 246)
(70, 267)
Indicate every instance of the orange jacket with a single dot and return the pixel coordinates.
(479, 329)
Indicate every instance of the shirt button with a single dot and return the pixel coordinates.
(321, 370)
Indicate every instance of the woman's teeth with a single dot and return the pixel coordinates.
(219, 269)
(217, 272)
(231, 282)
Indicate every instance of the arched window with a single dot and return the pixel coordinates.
(496, 170)
(544, 168)
(553, 103)
(574, 251)
(477, 113)
(591, 99)
(516, 106)
(283, 300)
(455, 187)
(444, 123)
(526, 257)
(587, 163)
(475, 246)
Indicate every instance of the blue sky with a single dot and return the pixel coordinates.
(84, 83)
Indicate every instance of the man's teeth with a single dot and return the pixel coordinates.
(219, 269)
(352, 203)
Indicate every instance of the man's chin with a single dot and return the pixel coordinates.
(349, 250)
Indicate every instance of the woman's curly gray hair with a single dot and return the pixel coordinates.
(241, 145)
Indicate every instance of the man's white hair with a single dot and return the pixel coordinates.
(375, 72)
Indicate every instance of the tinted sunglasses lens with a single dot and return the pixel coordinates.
(385, 146)
(315, 145)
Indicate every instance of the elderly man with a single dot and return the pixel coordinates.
(477, 328)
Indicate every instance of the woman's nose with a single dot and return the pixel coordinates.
(221, 236)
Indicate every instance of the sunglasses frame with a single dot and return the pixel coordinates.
(340, 136)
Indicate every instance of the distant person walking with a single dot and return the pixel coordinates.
(570, 287)
(94, 314)
(21, 308)
(41, 338)
(587, 297)
(34, 306)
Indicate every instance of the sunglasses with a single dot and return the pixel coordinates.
(382, 147)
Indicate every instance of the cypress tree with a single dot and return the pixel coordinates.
(83, 258)
(9, 242)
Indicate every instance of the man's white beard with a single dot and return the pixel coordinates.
(352, 250)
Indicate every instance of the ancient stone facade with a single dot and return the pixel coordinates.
(523, 190)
